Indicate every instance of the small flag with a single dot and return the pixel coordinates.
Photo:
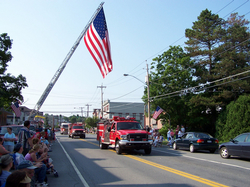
(97, 42)
(16, 109)
(157, 112)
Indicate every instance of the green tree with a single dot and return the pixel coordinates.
(10, 86)
(203, 39)
(235, 119)
(220, 49)
(233, 58)
(46, 121)
(171, 73)
(91, 122)
(73, 119)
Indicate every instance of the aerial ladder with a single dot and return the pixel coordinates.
(63, 65)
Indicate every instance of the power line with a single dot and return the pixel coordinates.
(184, 90)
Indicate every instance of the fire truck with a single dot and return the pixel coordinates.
(123, 134)
(76, 130)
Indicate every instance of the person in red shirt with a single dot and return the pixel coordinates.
(3, 151)
(46, 134)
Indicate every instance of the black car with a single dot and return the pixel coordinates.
(239, 146)
(196, 141)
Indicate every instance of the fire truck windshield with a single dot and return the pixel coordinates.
(128, 126)
(77, 127)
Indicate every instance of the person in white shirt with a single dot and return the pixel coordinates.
(157, 139)
(168, 134)
(9, 139)
(182, 129)
(180, 134)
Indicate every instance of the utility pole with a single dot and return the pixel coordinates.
(149, 120)
(88, 110)
(101, 97)
(81, 112)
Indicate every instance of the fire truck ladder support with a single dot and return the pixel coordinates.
(63, 65)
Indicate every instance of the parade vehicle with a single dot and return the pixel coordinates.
(123, 134)
(76, 130)
(64, 128)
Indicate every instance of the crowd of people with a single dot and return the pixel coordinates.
(171, 135)
(26, 163)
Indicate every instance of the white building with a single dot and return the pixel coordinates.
(124, 109)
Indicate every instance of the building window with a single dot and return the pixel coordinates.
(127, 114)
(120, 114)
(141, 116)
(134, 115)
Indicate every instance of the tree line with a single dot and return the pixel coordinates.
(205, 85)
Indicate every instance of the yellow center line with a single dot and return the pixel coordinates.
(177, 172)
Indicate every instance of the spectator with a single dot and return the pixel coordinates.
(18, 179)
(53, 134)
(5, 166)
(39, 169)
(168, 134)
(171, 138)
(49, 135)
(31, 155)
(29, 169)
(39, 129)
(177, 131)
(37, 135)
(48, 161)
(182, 129)
(9, 139)
(43, 140)
(157, 139)
(3, 151)
(35, 141)
(46, 134)
(180, 134)
(24, 137)
(18, 149)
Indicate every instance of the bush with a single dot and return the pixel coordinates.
(234, 120)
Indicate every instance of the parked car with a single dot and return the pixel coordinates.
(15, 130)
(196, 141)
(239, 146)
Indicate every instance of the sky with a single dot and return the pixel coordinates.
(44, 31)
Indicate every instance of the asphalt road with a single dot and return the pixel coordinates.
(80, 162)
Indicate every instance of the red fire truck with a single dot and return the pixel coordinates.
(123, 133)
(76, 130)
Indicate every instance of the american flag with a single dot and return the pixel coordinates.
(157, 112)
(16, 109)
(97, 41)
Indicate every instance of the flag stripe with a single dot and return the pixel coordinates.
(90, 45)
(100, 51)
(94, 52)
(16, 109)
(96, 40)
(157, 112)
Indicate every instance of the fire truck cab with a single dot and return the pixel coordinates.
(123, 133)
(75, 130)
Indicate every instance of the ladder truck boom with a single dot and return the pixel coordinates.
(63, 65)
